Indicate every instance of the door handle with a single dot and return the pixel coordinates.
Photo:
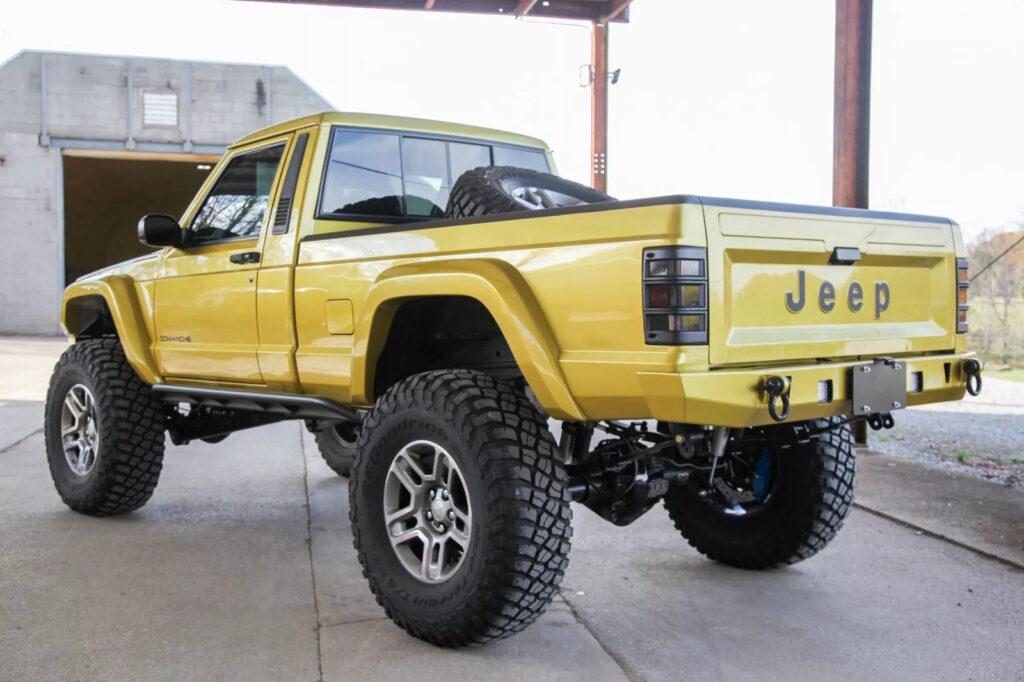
(246, 257)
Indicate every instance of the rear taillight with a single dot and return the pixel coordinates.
(675, 282)
(962, 283)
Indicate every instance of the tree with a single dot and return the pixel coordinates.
(1001, 284)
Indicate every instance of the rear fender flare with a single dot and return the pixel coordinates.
(499, 288)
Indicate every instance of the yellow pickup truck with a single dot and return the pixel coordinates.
(428, 297)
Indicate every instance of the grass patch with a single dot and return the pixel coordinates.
(963, 455)
(883, 438)
(1008, 374)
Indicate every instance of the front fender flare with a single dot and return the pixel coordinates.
(499, 288)
(118, 293)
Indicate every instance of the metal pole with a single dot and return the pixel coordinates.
(599, 108)
(852, 118)
(852, 103)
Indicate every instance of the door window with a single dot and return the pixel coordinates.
(237, 204)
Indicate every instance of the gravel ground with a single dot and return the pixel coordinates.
(983, 436)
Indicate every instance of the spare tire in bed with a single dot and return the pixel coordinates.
(504, 189)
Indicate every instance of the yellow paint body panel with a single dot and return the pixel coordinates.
(565, 289)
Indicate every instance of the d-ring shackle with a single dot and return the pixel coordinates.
(972, 368)
(777, 388)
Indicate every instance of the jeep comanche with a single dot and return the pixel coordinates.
(426, 297)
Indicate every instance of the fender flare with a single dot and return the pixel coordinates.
(500, 289)
(118, 293)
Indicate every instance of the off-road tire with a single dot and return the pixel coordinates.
(486, 190)
(518, 490)
(336, 448)
(129, 424)
(813, 495)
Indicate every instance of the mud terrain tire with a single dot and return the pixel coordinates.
(494, 189)
(125, 423)
(813, 495)
(515, 490)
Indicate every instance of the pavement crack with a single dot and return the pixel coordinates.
(619, 661)
(20, 441)
(309, 547)
(940, 536)
(358, 621)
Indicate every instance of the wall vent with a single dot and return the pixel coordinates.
(160, 108)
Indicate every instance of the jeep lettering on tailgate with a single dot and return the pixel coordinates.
(827, 296)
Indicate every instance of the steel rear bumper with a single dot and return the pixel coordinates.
(737, 398)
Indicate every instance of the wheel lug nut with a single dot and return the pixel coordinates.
(441, 528)
(430, 515)
(451, 515)
(444, 494)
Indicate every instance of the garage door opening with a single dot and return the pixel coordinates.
(105, 195)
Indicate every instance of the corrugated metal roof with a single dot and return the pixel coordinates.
(588, 10)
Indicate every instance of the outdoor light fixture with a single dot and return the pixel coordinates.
(203, 166)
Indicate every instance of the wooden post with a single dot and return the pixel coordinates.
(852, 117)
(599, 108)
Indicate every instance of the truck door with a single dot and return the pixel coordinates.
(205, 303)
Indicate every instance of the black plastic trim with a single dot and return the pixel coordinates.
(844, 255)
(285, 405)
(823, 210)
(291, 179)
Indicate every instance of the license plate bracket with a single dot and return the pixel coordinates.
(880, 386)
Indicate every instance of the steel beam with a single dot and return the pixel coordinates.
(615, 8)
(524, 7)
(852, 118)
(599, 108)
(586, 10)
(852, 104)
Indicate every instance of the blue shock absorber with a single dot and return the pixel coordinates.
(763, 475)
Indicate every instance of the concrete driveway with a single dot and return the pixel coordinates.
(241, 567)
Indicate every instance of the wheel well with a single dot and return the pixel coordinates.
(89, 317)
(443, 332)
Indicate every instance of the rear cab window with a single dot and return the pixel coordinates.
(375, 176)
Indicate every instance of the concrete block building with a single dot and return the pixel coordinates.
(90, 143)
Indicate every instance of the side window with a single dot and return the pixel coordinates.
(364, 175)
(425, 169)
(466, 157)
(237, 204)
(521, 158)
(392, 175)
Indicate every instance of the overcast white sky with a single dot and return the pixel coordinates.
(728, 97)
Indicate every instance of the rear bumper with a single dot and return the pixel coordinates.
(736, 398)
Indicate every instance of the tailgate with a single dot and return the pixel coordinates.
(774, 297)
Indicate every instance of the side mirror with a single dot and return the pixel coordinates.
(160, 230)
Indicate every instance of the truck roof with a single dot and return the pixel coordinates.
(401, 123)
